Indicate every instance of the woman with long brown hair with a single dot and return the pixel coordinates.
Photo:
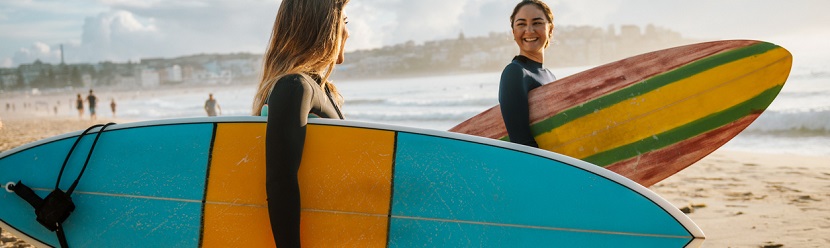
(306, 42)
(532, 26)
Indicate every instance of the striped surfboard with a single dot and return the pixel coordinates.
(200, 183)
(649, 116)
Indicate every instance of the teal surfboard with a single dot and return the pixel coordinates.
(199, 182)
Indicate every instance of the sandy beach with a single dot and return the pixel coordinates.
(755, 200)
(738, 199)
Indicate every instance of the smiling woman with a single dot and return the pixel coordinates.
(532, 25)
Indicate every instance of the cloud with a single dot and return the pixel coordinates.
(483, 17)
(366, 30)
(121, 30)
(424, 19)
(385, 22)
(375, 23)
(116, 35)
(210, 26)
(134, 30)
(130, 30)
(132, 3)
(585, 12)
(37, 51)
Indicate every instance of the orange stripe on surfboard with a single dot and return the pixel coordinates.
(345, 193)
(246, 223)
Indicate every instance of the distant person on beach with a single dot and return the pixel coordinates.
(211, 106)
(92, 100)
(306, 42)
(79, 105)
(532, 25)
(112, 107)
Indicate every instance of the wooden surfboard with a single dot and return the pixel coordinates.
(200, 183)
(649, 116)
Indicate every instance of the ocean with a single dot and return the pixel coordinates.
(797, 122)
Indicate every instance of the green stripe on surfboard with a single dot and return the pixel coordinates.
(697, 127)
(648, 85)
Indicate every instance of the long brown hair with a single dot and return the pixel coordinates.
(539, 4)
(305, 40)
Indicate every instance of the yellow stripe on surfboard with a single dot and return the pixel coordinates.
(235, 201)
(340, 211)
(358, 172)
(643, 116)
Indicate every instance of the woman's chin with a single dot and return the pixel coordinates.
(533, 47)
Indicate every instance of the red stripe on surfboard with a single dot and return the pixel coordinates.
(678, 156)
(588, 85)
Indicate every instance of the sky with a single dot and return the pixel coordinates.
(128, 30)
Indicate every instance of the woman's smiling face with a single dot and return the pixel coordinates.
(531, 30)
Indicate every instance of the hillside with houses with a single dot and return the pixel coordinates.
(572, 46)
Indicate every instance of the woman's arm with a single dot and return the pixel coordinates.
(513, 100)
(288, 107)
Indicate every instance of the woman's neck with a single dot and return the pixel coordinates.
(538, 57)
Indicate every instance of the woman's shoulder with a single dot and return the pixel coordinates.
(516, 64)
(297, 79)
(294, 77)
(513, 69)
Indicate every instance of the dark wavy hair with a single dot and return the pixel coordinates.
(539, 4)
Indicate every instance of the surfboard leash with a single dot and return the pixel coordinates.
(53, 210)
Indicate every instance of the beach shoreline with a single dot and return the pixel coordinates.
(739, 199)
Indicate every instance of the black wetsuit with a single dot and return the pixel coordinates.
(291, 101)
(517, 80)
